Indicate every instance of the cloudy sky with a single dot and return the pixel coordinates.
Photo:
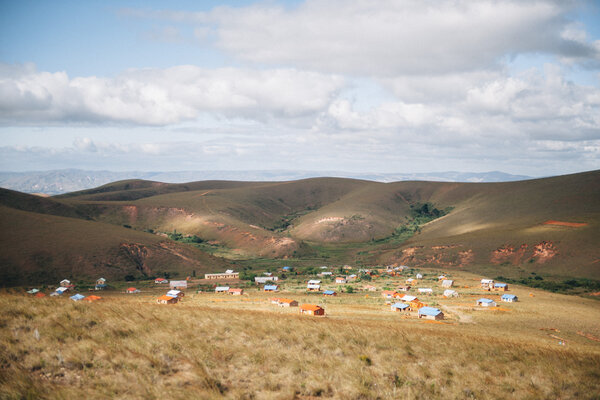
(371, 86)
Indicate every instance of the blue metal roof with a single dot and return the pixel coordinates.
(484, 300)
(329, 292)
(286, 268)
(429, 311)
(401, 306)
(77, 297)
(509, 296)
(500, 285)
(270, 287)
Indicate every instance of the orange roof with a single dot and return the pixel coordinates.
(236, 290)
(388, 292)
(93, 298)
(40, 294)
(165, 297)
(286, 300)
(310, 307)
(131, 289)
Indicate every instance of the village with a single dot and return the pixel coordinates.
(394, 289)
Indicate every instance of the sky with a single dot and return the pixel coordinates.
(360, 86)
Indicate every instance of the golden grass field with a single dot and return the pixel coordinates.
(212, 346)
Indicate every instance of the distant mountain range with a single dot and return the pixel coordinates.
(70, 180)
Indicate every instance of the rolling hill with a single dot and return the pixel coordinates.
(500, 228)
(44, 241)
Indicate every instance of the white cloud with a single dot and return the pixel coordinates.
(163, 96)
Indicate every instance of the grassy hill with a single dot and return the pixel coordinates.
(44, 241)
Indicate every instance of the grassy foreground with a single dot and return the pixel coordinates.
(128, 347)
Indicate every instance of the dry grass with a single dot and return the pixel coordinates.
(245, 348)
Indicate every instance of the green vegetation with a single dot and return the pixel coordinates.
(567, 286)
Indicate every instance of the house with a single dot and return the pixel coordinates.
(178, 285)
(411, 281)
(265, 279)
(370, 288)
(404, 288)
(447, 283)
(311, 309)
(77, 297)
(450, 293)
(99, 287)
(60, 291)
(430, 313)
(161, 280)
(65, 283)
(93, 298)
(329, 293)
(347, 267)
(419, 276)
(287, 303)
(236, 292)
(175, 293)
(267, 273)
(222, 289)
(271, 288)
(407, 298)
(352, 277)
(313, 285)
(340, 279)
(131, 290)
(325, 273)
(229, 274)
(509, 298)
(33, 291)
(388, 294)
(500, 287)
(483, 302)
(164, 299)
(487, 284)
(441, 277)
(400, 307)
(39, 295)
(101, 281)
(425, 290)
(287, 268)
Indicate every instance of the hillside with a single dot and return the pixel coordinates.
(499, 228)
(44, 241)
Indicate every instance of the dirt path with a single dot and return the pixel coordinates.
(464, 318)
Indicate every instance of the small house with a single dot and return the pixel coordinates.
(450, 293)
(175, 293)
(33, 291)
(236, 292)
(161, 281)
(509, 298)
(425, 290)
(65, 283)
(164, 299)
(388, 294)
(222, 289)
(408, 298)
(351, 277)
(267, 273)
(369, 288)
(39, 295)
(77, 297)
(430, 313)
(311, 309)
(447, 283)
(403, 288)
(401, 307)
(329, 293)
(287, 303)
(132, 290)
(265, 279)
(93, 298)
(487, 284)
(500, 287)
(441, 277)
(60, 291)
(340, 279)
(325, 273)
(271, 288)
(287, 268)
(419, 276)
(274, 300)
(178, 285)
(411, 281)
(313, 285)
(101, 281)
(483, 302)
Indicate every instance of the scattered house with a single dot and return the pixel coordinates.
(408, 298)
(175, 293)
(404, 288)
(287, 303)
(347, 267)
(388, 294)
(401, 307)
(487, 284)
(267, 273)
(287, 268)
(450, 293)
(39, 295)
(419, 276)
(59, 291)
(370, 288)
(500, 287)
(509, 298)
(411, 281)
(236, 292)
(352, 277)
(274, 300)
(311, 309)
(101, 281)
(161, 280)
(329, 293)
(164, 299)
(178, 285)
(325, 273)
(313, 285)
(33, 291)
(447, 283)
(222, 289)
(426, 290)
(93, 298)
(132, 290)
(323, 267)
(483, 302)
(65, 283)
(99, 287)
(441, 277)
(340, 279)
(271, 288)
(430, 313)
(265, 279)
(229, 274)
(77, 297)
